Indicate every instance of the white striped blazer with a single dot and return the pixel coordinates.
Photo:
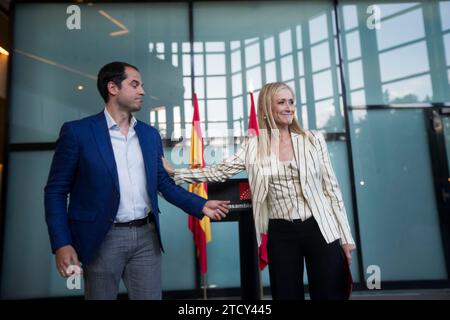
(317, 179)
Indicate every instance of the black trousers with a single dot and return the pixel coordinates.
(291, 243)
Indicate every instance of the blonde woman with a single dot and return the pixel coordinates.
(295, 197)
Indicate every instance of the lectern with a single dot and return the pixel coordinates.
(238, 192)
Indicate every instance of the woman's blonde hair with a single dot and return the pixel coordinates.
(266, 121)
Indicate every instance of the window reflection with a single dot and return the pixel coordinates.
(198, 46)
(358, 98)
(254, 77)
(215, 46)
(326, 117)
(285, 42)
(405, 61)
(235, 61)
(238, 117)
(215, 64)
(321, 56)
(401, 29)
(354, 47)
(412, 90)
(390, 9)
(187, 87)
(271, 72)
(444, 8)
(217, 111)
(186, 64)
(236, 82)
(304, 117)
(158, 119)
(252, 55)
(186, 47)
(199, 83)
(355, 75)
(447, 48)
(317, 29)
(301, 67)
(351, 17)
(269, 48)
(298, 53)
(303, 91)
(393, 63)
(287, 68)
(176, 122)
(216, 87)
(198, 64)
(323, 87)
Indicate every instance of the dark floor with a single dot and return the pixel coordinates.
(419, 294)
(422, 294)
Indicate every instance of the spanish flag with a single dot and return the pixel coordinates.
(253, 130)
(201, 229)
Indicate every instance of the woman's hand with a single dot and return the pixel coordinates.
(348, 248)
(168, 167)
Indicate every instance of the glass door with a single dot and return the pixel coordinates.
(439, 129)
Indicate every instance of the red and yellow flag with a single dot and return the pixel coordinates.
(253, 130)
(201, 229)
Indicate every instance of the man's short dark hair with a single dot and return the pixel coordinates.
(115, 72)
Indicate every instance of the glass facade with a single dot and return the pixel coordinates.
(395, 64)
(391, 65)
(401, 62)
(395, 192)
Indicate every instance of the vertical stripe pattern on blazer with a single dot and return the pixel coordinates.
(318, 183)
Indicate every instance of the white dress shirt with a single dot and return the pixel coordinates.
(134, 201)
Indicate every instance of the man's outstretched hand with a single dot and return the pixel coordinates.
(216, 209)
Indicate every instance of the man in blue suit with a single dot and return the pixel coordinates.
(110, 165)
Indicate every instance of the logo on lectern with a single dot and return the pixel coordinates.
(244, 191)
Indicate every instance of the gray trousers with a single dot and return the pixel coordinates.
(128, 253)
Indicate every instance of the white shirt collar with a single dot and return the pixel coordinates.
(112, 123)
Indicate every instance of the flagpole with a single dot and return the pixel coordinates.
(261, 286)
(205, 297)
(253, 125)
(201, 229)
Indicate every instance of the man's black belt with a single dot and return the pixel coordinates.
(136, 223)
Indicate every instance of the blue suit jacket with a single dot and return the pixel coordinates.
(84, 168)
